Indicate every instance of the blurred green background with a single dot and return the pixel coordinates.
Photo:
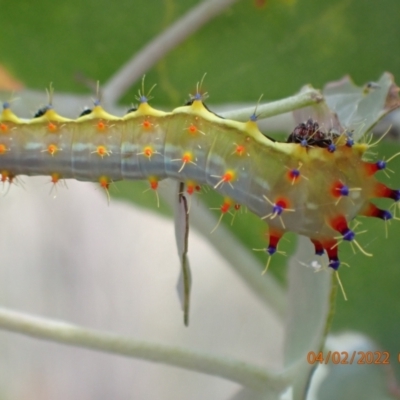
(272, 47)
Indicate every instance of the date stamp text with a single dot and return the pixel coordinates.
(355, 357)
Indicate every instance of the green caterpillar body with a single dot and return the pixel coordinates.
(309, 189)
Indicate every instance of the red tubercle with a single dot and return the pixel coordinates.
(318, 247)
(273, 240)
(293, 175)
(339, 224)
(382, 190)
(335, 189)
(332, 249)
(282, 202)
(371, 210)
(192, 187)
(370, 168)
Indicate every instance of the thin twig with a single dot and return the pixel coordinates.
(239, 258)
(142, 61)
(246, 374)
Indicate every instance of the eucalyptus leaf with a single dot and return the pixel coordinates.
(309, 309)
(360, 108)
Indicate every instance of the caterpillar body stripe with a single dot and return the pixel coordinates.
(313, 190)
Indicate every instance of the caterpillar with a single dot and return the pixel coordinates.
(313, 184)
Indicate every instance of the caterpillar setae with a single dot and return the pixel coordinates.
(314, 184)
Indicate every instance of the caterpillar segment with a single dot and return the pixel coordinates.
(313, 185)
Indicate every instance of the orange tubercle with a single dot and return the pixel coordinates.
(5, 175)
(3, 149)
(226, 205)
(101, 126)
(104, 182)
(148, 151)
(153, 182)
(3, 128)
(146, 124)
(52, 127)
(102, 151)
(192, 129)
(52, 149)
(187, 157)
(55, 177)
(229, 176)
(192, 187)
(240, 149)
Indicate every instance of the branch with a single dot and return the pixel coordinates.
(303, 99)
(141, 62)
(245, 374)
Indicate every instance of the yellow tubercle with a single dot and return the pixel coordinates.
(360, 148)
(145, 109)
(8, 116)
(252, 128)
(198, 107)
(52, 115)
(98, 112)
(49, 115)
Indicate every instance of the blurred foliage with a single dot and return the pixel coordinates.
(272, 47)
